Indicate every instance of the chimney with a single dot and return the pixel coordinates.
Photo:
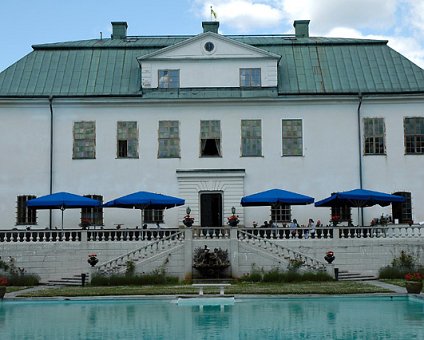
(301, 28)
(210, 26)
(119, 30)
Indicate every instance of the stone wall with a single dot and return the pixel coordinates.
(54, 260)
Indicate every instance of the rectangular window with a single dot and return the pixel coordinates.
(210, 138)
(153, 215)
(84, 140)
(92, 216)
(292, 137)
(25, 215)
(251, 138)
(281, 213)
(250, 77)
(127, 140)
(374, 134)
(414, 135)
(169, 139)
(169, 79)
(342, 214)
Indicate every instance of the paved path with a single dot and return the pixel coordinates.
(394, 288)
(26, 290)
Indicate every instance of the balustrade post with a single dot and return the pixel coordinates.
(84, 237)
(234, 252)
(188, 252)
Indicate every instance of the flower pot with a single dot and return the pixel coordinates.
(188, 224)
(92, 260)
(2, 292)
(414, 287)
(329, 258)
(233, 223)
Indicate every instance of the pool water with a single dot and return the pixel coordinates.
(336, 317)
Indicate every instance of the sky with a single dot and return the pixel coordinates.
(24, 23)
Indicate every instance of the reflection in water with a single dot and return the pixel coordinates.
(300, 318)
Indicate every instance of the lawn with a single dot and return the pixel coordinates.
(328, 288)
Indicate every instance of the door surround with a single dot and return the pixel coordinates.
(193, 183)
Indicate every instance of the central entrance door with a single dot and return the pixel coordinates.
(211, 209)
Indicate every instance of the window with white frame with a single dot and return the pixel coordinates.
(281, 213)
(153, 215)
(92, 216)
(292, 137)
(414, 135)
(250, 77)
(84, 146)
(169, 139)
(169, 79)
(210, 138)
(127, 140)
(251, 138)
(374, 136)
(25, 215)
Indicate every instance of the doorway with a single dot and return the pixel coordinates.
(211, 209)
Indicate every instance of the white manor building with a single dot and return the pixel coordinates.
(210, 118)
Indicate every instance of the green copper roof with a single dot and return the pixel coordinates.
(109, 67)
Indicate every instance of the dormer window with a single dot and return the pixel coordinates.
(169, 79)
(250, 77)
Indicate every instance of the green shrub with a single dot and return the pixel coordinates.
(23, 280)
(131, 280)
(401, 265)
(273, 275)
(404, 261)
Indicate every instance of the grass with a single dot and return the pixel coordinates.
(397, 282)
(235, 289)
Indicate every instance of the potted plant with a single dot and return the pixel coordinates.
(335, 219)
(233, 220)
(414, 283)
(329, 256)
(92, 259)
(188, 220)
(3, 283)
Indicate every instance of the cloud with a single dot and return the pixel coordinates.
(401, 22)
(244, 15)
(326, 14)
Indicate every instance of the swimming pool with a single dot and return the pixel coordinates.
(336, 317)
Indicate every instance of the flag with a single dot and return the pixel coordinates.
(213, 13)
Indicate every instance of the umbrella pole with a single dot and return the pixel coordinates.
(62, 223)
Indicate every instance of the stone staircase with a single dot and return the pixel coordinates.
(345, 275)
(280, 252)
(74, 280)
(145, 253)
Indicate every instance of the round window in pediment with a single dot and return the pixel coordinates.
(209, 46)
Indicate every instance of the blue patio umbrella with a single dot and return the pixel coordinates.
(359, 198)
(275, 196)
(145, 200)
(62, 201)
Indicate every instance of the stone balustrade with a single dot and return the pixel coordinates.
(390, 231)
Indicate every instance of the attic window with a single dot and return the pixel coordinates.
(209, 46)
(169, 79)
(250, 77)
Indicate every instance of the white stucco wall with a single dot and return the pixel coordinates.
(329, 163)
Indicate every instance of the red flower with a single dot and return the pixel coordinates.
(329, 253)
(414, 277)
(3, 281)
(92, 255)
(335, 218)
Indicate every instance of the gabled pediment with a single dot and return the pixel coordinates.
(208, 60)
(209, 45)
